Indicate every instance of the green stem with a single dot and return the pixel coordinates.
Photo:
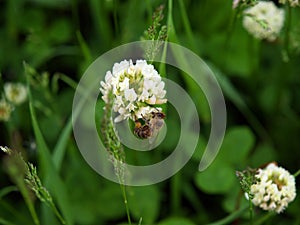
(123, 188)
(115, 6)
(230, 30)
(251, 212)
(175, 193)
(170, 34)
(24, 191)
(55, 210)
(149, 10)
(186, 24)
(287, 31)
(170, 24)
(254, 54)
(7, 190)
(230, 217)
(297, 173)
(231, 27)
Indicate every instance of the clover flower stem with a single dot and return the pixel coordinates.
(123, 188)
(287, 31)
(254, 54)
(229, 32)
(231, 26)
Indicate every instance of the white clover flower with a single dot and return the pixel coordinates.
(235, 3)
(275, 188)
(16, 93)
(264, 20)
(136, 88)
(292, 3)
(5, 110)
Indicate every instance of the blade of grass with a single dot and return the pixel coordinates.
(7, 190)
(225, 84)
(5, 222)
(28, 200)
(100, 20)
(175, 180)
(176, 193)
(186, 24)
(230, 218)
(7, 208)
(232, 93)
(84, 47)
(60, 147)
(52, 179)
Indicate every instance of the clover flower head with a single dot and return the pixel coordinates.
(264, 20)
(293, 3)
(16, 93)
(275, 188)
(5, 110)
(136, 88)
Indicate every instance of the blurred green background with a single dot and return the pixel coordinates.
(61, 38)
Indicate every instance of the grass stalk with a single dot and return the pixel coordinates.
(251, 212)
(25, 193)
(123, 189)
(186, 24)
(49, 170)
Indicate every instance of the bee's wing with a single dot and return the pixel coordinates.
(155, 128)
(153, 137)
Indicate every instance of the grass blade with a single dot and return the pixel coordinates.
(52, 179)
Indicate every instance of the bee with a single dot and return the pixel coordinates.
(156, 120)
(152, 125)
(142, 131)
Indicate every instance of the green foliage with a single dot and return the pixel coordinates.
(144, 203)
(176, 221)
(218, 178)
